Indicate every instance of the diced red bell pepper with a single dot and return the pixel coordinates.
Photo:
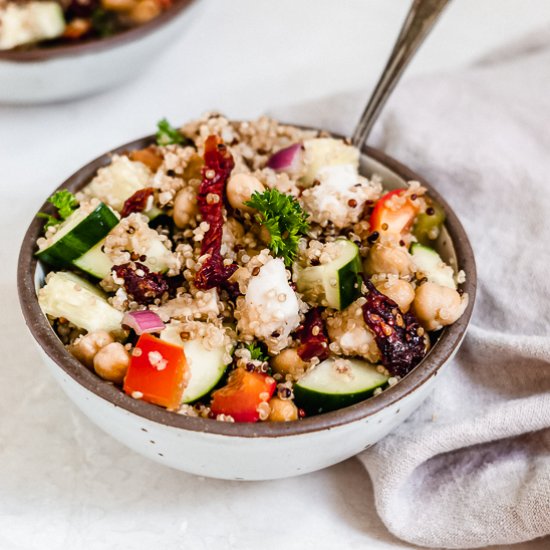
(242, 395)
(158, 372)
(386, 219)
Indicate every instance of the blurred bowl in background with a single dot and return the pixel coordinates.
(69, 71)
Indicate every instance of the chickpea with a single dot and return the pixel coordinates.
(86, 347)
(111, 362)
(144, 11)
(147, 156)
(437, 306)
(282, 410)
(240, 188)
(288, 362)
(235, 228)
(384, 258)
(398, 290)
(185, 207)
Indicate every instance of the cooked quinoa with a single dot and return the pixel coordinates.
(255, 266)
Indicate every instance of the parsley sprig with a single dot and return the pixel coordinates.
(285, 220)
(66, 204)
(256, 352)
(167, 134)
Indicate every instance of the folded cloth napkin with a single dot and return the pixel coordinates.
(472, 466)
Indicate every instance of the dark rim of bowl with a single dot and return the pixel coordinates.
(98, 44)
(443, 349)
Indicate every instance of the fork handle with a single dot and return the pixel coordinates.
(421, 18)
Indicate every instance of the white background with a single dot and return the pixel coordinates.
(63, 483)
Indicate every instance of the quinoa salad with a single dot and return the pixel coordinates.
(45, 23)
(246, 271)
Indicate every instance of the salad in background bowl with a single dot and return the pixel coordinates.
(57, 50)
(248, 285)
(47, 23)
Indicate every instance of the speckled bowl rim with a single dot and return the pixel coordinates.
(96, 45)
(442, 350)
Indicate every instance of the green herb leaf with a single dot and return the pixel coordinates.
(285, 220)
(66, 204)
(256, 352)
(103, 22)
(167, 134)
(51, 220)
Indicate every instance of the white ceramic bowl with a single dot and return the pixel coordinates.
(246, 451)
(59, 73)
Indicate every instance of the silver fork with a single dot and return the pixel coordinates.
(421, 18)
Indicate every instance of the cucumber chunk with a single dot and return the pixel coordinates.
(69, 296)
(80, 232)
(158, 256)
(320, 152)
(427, 226)
(28, 23)
(153, 213)
(98, 264)
(430, 265)
(95, 262)
(335, 284)
(206, 366)
(118, 181)
(327, 387)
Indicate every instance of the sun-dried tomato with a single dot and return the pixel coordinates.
(399, 336)
(218, 164)
(141, 285)
(313, 337)
(137, 202)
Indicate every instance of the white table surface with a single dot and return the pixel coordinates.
(63, 483)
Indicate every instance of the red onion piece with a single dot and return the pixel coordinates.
(288, 159)
(143, 321)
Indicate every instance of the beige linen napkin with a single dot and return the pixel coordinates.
(472, 466)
